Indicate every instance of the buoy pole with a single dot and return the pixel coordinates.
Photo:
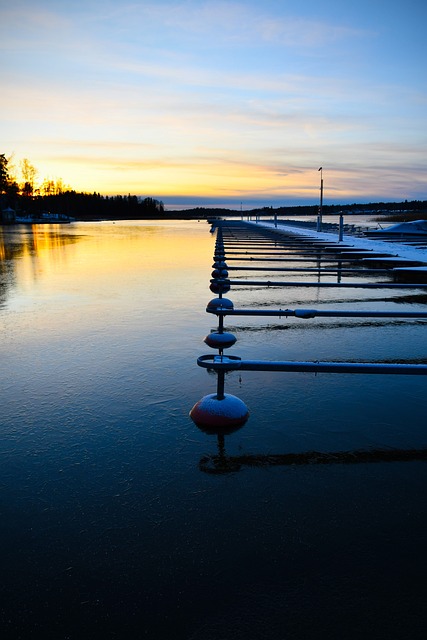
(341, 228)
(220, 385)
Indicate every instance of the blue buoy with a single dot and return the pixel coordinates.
(220, 273)
(219, 303)
(222, 340)
(220, 286)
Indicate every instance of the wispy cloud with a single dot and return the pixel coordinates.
(239, 22)
(297, 32)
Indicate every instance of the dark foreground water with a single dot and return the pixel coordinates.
(111, 525)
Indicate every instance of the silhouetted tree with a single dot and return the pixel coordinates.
(4, 174)
(29, 174)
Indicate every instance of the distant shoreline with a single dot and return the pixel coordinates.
(81, 207)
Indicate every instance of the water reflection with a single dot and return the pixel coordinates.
(27, 252)
(324, 323)
(110, 528)
(34, 239)
(222, 463)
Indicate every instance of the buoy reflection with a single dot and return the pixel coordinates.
(221, 463)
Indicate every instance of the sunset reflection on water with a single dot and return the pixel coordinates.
(49, 260)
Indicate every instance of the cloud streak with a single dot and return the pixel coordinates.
(237, 22)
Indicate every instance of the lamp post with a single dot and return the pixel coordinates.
(319, 215)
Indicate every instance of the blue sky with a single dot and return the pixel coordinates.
(218, 101)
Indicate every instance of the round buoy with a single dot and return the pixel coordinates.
(220, 286)
(225, 415)
(219, 303)
(219, 273)
(218, 340)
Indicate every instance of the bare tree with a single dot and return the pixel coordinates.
(29, 175)
(48, 187)
(4, 173)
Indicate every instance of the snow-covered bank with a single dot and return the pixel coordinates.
(392, 248)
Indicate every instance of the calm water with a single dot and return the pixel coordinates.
(110, 528)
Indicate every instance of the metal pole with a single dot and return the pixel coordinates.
(228, 364)
(319, 217)
(335, 367)
(220, 385)
(307, 314)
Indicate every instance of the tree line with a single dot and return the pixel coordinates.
(28, 199)
(367, 208)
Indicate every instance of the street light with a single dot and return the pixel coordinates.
(319, 215)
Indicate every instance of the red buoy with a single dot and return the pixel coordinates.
(226, 413)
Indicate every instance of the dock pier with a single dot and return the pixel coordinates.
(335, 265)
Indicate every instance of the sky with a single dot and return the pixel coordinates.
(218, 102)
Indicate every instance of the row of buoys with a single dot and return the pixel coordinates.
(219, 413)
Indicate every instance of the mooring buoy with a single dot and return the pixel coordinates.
(218, 340)
(210, 412)
(219, 303)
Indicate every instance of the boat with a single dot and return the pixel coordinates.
(45, 218)
(414, 228)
